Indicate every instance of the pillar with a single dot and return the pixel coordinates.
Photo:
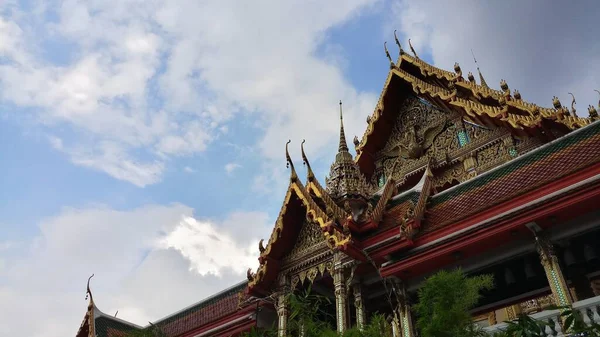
(360, 307)
(282, 306)
(549, 261)
(402, 312)
(340, 293)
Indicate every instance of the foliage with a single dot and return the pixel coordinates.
(307, 314)
(444, 303)
(525, 326)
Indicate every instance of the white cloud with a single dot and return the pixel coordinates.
(230, 167)
(164, 78)
(132, 253)
(189, 169)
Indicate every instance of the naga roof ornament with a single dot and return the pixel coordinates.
(310, 173)
(387, 53)
(398, 44)
(290, 163)
(345, 182)
(412, 49)
(573, 111)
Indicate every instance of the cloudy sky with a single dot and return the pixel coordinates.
(143, 140)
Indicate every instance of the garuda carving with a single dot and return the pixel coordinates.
(414, 146)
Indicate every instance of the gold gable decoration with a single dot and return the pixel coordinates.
(310, 238)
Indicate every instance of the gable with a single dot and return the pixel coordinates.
(310, 239)
(423, 133)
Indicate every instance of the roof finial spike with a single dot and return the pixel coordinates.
(387, 53)
(343, 146)
(481, 79)
(88, 292)
(310, 173)
(290, 163)
(598, 100)
(398, 43)
(573, 102)
(412, 49)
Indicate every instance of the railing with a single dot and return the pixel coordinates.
(589, 309)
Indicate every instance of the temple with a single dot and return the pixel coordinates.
(449, 173)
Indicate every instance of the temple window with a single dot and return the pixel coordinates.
(463, 138)
(381, 180)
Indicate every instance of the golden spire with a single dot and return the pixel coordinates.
(310, 173)
(573, 102)
(398, 43)
(343, 146)
(290, 163)
(412, 49)
(387, 53)
(481, 79)
(345, 178)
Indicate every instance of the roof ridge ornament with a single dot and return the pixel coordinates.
(88, 292)
(290, 163)
(573, 102)
(398, 44)
(481, 79)
(310, 172)
(387, 53)
(412, 49)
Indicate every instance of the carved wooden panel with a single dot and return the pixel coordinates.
(310, 238)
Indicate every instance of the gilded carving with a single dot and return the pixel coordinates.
(309, 237)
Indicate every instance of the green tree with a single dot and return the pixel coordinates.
(444, 303)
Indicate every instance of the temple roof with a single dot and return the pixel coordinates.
(546, 164)
(475, 102)
(200, 314)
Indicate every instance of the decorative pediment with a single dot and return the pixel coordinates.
(310, 239)
(423, 133)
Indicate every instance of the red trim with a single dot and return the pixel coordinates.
(237, 330)
(432, 258)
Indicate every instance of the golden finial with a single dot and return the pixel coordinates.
(517, 94)
(598, 100)
(311, 175)
(457, 69)
(356, 141)
(412, 49)
(481, 79)
(592, 111)
(249, 275)
(556, 103)
(290, 164)
(387, 53)
(88, 291)
(398, 43)
(573, 102)
(504, 87)
(471, 77)
(261, 248)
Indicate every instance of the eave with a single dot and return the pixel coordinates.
(491, 228)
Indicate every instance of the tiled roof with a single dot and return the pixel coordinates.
(109, 327)
(523, 174)
(202, 313)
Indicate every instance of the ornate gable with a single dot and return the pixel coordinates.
(310, 238)
(423, 133)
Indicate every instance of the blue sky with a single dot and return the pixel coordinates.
(144, 142)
